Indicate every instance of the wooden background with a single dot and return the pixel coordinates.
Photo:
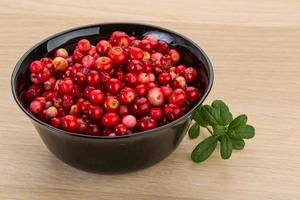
(255, 49)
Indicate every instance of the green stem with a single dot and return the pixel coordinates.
(209, 130)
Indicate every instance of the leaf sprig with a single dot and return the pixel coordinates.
(218, 120)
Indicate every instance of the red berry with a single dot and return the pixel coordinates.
(49, 84)
(117, 54)
(162, 47)
(166, 62)
(106, 132)
(164, 78)
(66, 86)
(156, 57)
(135, 67)
(84, 45)
(104, 64)
(111, 104)
(96, 96)
(74, 110)
(129, 121)
(56, 122)
(166, 90)
(67, 101)
(120, 129)
(85, 106)
(61, 52)
(113, 86)
(180, 69)
(103, 47)
(141, 90)
(136, 53)
(179, 82)
(94, 130)
(178, 97)
(88, 61)
(93, 78)
(190, 74)
(77, 55)
(93, 52)
(140, 107)
(156, 113)
(33, 91)
(95, 112)
(36, 67)
(152, 85)
(145, 45)
(83, 126)
(127, 95)
(156, 97)
(146, 123)
(36, 106)
(172, 111)
(44, 75)
(117, 38)
(110, 119)
(69, 123)
(152, 39)
(130, 79)
(87, 90)
(192, 93)
(124, 110)
(175, 56)
(145, 78)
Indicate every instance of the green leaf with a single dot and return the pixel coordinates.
(234, 134)
(199, 118)
(209, 114)
(204, 149)
(247, 132)
(219, 130)
(224, 116)
(239, 122)
(194, 131)
(226, 147)
(237, 143)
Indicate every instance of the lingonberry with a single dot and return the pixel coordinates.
(83, 126)
(80, 78)
(156, 113)
(104, 64)
(147, 56)
(166, 90)
(51, 112)
(190, 74)
(129, 121)
(130, 79)
(95, 112)
(135, 67)
(36, 106)
(84, 45)
(178, 97)
(180, 69)
(152, 39)
(156, 97)
(103, 47)
(61, 52)
(60, 64)
(49, 84)
(175, 56)
(113, 86)
(111, 104)
(156, 57)
(162, 47)
(179, 82)
(110, 119)
(152, 85)
(69, 123)
(147, 66)
(136, 53)
(85, 106)
(192, 93)
(123, 110)
(44, 75)
(120, 129)
(144, 78)
(141, 90)
(67, 86)
(164, 78)
(36, 66)
(33, 91)
(127, 95)
(146, 123)
(87, 90)
(117, 36)
(94, 130)
(77, 55)
(56, 122)
(145, 45)
(93, 52)
(96, 96)
(140, 107)
(74, 110)
(93, 78)
(88, 61)
(172, 111)
(117, 54)
(166, 61)
(67, 101)
(105, 132)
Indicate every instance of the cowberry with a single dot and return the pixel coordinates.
(111, 104)
(127, 95)
(146, 123)
(156, 96)
(120, 129)
(129, 121)
(178, 97)
(96, 96)
(69, 123)
(110, 119)
(140, 107)
(113, 86)
(104, 64)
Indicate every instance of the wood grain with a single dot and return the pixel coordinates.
(254, 47)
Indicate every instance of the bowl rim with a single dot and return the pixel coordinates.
(136, 134)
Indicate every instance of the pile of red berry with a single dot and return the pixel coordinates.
(120, 86)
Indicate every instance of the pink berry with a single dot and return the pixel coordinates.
(178, 97)
(129, 121)
(156, 97)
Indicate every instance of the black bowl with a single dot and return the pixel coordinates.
(120, 153)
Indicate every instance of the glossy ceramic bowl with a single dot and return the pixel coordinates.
(121, 153)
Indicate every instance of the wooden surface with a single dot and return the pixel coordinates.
(255, 49)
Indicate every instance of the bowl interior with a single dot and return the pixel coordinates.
(191, 54)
